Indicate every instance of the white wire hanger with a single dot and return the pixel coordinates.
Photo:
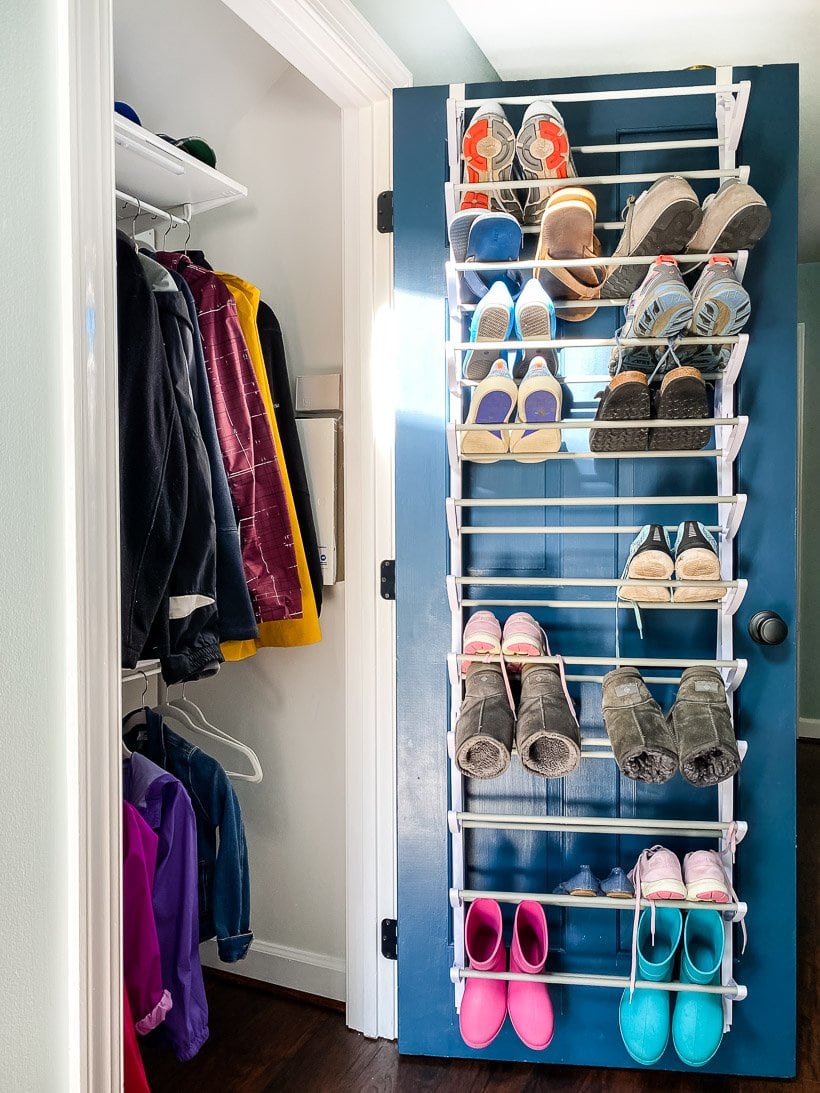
(182, 710)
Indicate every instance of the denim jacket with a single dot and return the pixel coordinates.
(224, 880)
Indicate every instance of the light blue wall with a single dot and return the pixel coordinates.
(430, 39)
(808, 312)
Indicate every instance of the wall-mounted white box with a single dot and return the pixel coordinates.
(320, 442)
(319, 394)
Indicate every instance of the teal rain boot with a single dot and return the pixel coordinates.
(697, 1023)
(644, 1020)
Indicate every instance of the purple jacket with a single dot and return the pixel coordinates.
(142, 969)
(165, 806)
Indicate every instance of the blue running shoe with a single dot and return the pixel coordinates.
(492, 322)
(534, 318)
(661, 307)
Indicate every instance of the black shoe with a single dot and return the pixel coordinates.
(682, 394)
(625, 399)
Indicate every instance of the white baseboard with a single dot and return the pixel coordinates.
(808, 727)
(297, 969)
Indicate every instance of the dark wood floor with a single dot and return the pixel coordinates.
(262, 1041)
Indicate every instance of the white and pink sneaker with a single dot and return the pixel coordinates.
(522, 638)
(705, 877)
(482, 635)
(657, 875)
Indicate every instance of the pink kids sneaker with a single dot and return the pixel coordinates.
(529, 1002)
(705, 877)
(482, 634)
(657, 875)
(523, 637)
(484, 1005)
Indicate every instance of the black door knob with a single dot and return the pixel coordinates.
(767, 628)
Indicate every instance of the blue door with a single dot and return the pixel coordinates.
(443, 860)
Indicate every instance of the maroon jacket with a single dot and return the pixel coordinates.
(248, 450)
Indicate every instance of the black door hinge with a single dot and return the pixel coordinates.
(387, 585)
(384, 212)
(390, 938)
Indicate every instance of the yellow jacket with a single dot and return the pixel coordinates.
(306, 630)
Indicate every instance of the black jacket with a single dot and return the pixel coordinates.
(153, 465)
(273, 350)
(189, 646)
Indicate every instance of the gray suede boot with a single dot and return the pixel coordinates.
(547, 736)
(484, 730)
(643, 743)
(702, 724)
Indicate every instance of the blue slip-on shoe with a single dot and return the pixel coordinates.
(459, 232)
(697, 1023)
(584, 883)
(493, 237)
(492, 322)
(618, 885)
(534, 318)
(644, 1018)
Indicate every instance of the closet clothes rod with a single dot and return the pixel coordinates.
(742, 173)
(733, 912)
(715, 89)
(735, 991)
(145, 209)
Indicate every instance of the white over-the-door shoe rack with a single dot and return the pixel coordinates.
(731, 99)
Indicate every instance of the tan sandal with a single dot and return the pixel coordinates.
(567, 232)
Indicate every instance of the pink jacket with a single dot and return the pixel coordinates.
(149, 1002)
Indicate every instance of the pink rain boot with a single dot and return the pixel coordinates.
(484, 1005)
(529, 1003)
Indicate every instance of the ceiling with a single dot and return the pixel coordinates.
(548, 38)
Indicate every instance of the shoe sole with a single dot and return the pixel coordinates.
(649, 565)
(539, 401)
(493, 407)
(707, 594)
(707, 891)
(741, 230)
(672, 229)
(493, 324)
(543, 151)
(534, 322)
(664, 313)
(664, 889)
(618, 895)
(698, 564)
(628, 401)
(488, 148)
(683, 397)
(723, 311)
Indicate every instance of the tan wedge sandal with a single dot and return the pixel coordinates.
(567, 232)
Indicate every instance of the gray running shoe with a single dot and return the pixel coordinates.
(543, 151)
(488, 150)
(735, 217)
(660, 221)
(721, 308)
(660, 308)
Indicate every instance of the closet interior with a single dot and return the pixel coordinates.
(269, 213)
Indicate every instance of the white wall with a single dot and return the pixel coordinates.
(36, 812)
(289, 704)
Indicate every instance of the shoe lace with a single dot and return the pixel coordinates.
(562, 673)
(643, 859)
(731, 848)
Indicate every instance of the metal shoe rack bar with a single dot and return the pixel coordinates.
(731, 99)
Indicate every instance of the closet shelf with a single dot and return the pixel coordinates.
(599, 825)
(735, 991)
(164, 176)
(143, 671)
(733, 912)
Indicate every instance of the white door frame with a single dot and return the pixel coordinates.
(336, 49)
